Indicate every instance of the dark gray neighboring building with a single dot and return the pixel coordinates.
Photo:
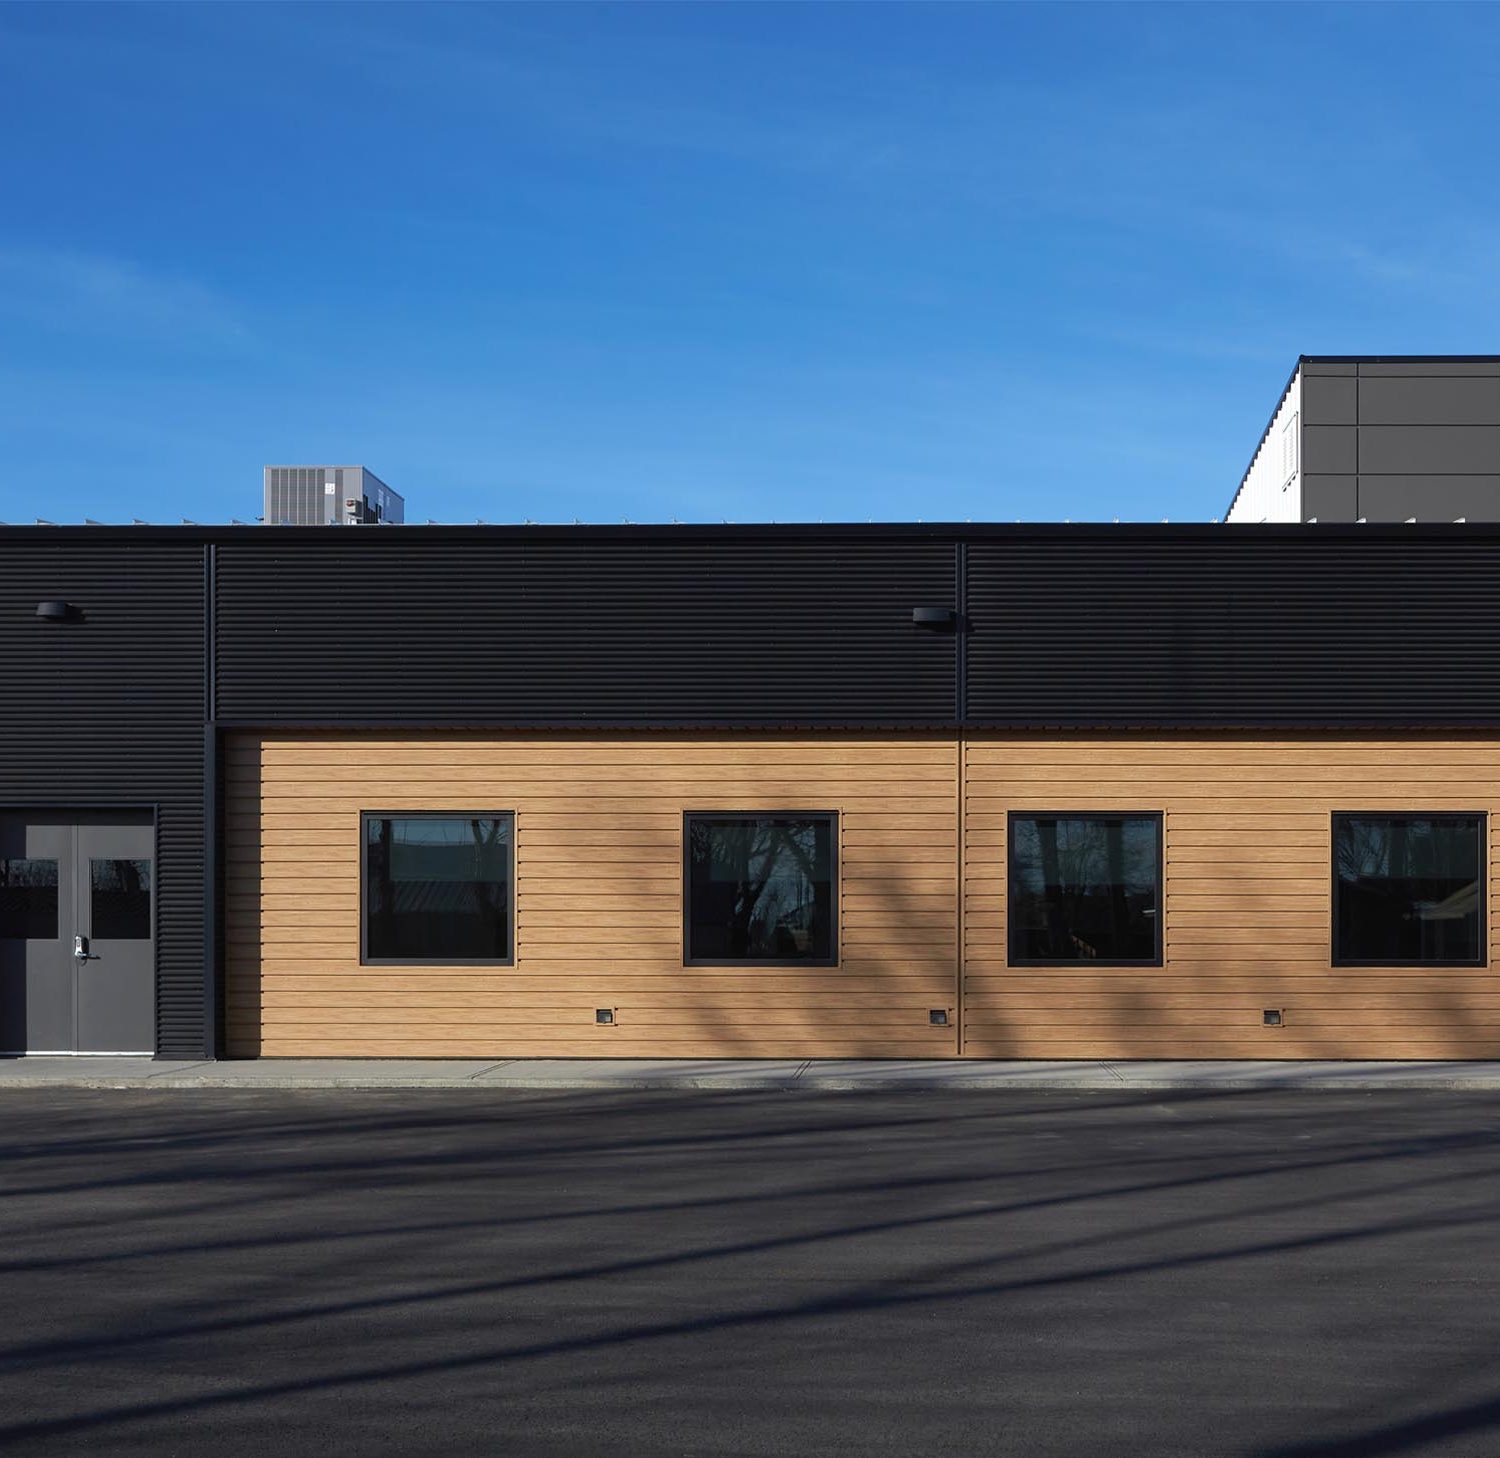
(1379, 438)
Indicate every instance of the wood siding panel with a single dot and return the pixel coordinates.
(598, 897)
(1248, 900)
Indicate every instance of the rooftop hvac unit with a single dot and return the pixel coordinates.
(328, 496)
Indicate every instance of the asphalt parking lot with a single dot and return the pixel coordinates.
(1285, 1275)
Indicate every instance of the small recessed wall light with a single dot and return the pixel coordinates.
(1271, 1017)
(54, 612)
(604, 1014)
(938, 1017)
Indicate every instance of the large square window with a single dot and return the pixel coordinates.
(1408, 890)
(760, 889)
(437, 888)
(1085, 888)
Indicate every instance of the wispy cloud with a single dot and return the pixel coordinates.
(81, 293)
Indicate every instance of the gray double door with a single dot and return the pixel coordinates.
(77, 932)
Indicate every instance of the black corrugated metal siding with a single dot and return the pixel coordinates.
(1242, 628)
(108, 711)
(648, 629)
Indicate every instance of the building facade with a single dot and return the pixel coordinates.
(1387, 438)
(887, 791)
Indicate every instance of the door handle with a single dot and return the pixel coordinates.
(81, 950)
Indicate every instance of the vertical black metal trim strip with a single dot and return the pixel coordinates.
(210, 633)
(961, 636)
(156, 937)
(960, 1005)
(212, 850)
(212, 875)
(961, 719)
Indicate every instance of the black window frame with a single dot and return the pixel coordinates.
(1482, 816)
(365, 816)
(836, 898)
(1158, 959)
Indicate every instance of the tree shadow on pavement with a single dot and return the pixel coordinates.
(1282, 1275)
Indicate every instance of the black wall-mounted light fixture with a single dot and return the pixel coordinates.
(934, 617)
(1272, 1017)
(54, 612)
(938, 1017)
(604, 1015)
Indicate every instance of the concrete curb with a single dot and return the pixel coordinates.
(736, 1076)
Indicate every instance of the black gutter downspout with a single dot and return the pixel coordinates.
(212, 850)
(961, 636)
(961, 719)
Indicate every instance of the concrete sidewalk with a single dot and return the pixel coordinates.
(744, 1073)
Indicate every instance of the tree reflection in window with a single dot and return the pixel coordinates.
(28, 898)
(120, 899)
(761, 888)
(1085, 888)
(1408, 889)
(437, 888)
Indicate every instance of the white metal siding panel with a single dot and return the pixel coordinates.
(1272, 489)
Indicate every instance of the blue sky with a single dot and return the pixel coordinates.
(765, 262)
